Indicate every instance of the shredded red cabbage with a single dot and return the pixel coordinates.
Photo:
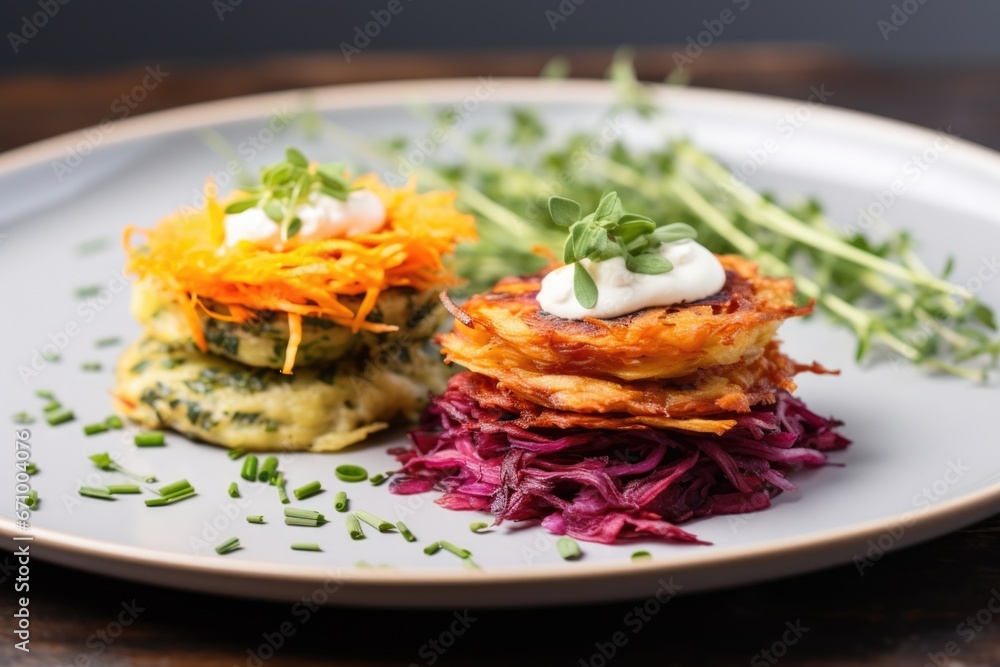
(604, 485)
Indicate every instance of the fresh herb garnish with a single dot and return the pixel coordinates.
(59, 415)
(354, 527)
(94, 429)
(105, 462)
(23, 418)
(255, 518)
(123, 488)
(351, 473)
(268, 469)
(381, 525)
(307, 490)
(230, 545)
(95, 492)
(340, 501)
(568, 548)
(249, 472)
(405, 532)
(234, 490)
(478, 526)
(305, 546)
(150, 439)
(286, 185)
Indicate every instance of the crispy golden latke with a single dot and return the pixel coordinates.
(506, 327)
(724, 389)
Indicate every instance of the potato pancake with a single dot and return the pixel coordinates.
(261, 340)
(317, 409)
(506, 326)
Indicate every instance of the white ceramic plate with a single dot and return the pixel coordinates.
(925, 458)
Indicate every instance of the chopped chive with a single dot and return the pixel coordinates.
(405, 532)
(568, 548)
(52, 407)
(304, 514)
(175, 487)
(641, 555)
(31, 468)
(94, 429)
(381, 525)
(432, 549)
(255, 518)
(169, 500)
(32, 499)
(236, 453)
(91, 366)
(95, 492)
(104, 462)
(232, 544)
(123, 488)
(114, 421)
(234, 491)
(478, 526)
(307, 490)
(354, 527)
(46, 394)
(51, 356)
(296, 521)
(282, 494)
(87, 291)
(59, 416)
(377, 479)
(458, 551)
(351, 473)
(23, 418)
(340, 501)
(305, 546)
(108, 341)
(249, 472)
(149, 439)
(267, 469)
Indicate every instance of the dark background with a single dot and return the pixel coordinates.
(85, 34)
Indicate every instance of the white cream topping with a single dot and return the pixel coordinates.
(697, 274)
(322, 216)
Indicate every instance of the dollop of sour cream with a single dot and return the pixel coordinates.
(322, 216)
(697, 274)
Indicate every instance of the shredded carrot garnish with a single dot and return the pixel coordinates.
(184, 254)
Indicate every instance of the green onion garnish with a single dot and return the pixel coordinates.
(381, 525)
(94, 429)
(149, 439)
(354, 527)
(641, 555)
(54, 406)
(107, 342)
(405, 532)
(432, 549)
(304, 514)
(174, 488)
(458, 551)
(255, 518)
(123, 488)
(51, 356)
(32, 499)
(46, 394)
(87, 291)
(377, 479)
(267, 469)
(59, 416)
(351, 473)
(169, 500)
(568, 548)
(478, 526)
(114, 421)
(340, 501)
(236, 453)
(23, 418)
(104, 462)
(305, 546)
(234, 491)
(307, 490)
(249, 468)
(91, 366)
(232, 544)
(280, 483)
(31, 468)
(296, 521)
(95, 492)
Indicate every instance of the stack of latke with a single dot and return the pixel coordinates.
(615, 428)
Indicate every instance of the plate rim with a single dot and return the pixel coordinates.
(940, 518)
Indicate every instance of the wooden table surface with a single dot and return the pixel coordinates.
(907, 610)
